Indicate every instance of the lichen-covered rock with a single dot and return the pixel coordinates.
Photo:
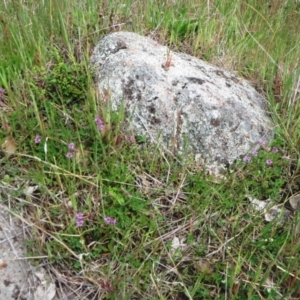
(179, 100)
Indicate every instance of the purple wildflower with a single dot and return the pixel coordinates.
(255, 153)
(269, 161)
(99, 123)
(247, 158)
(79, 223)
(37, 139)
(110, 221)
(274, 149)
(72, 146)
(69, 155)
(261, 142)
(79, 216)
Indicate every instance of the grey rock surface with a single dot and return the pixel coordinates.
(15, 279)
(180, 101)
(19, 280)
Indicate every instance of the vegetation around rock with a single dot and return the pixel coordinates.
(116, 218)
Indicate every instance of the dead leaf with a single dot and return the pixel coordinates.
(204, 266)
(277, 82)
(178, 244)
(28, 190)
(235, 287)
(271, 286)
(9, 146)
(144, 183)
(3, 264)
(46, 292)
(292, 280)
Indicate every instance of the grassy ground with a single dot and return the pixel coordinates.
(118, 219)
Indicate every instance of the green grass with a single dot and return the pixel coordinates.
(228, 250)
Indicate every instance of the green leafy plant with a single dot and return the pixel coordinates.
(263, 172)
(63, 82)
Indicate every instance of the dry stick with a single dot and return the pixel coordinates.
(83, 178)
(271, 58)
(11, 245)
(27, 258)
(66, 281)
(68, 173)
(156, 287)
(287, 272)
(174, 269)
(194, 220)
(224, 244)
(31, 224)
(296, 90)
(12, 237)
(179, 189)
(258, 285)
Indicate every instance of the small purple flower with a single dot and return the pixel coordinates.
(247, 158)
(79, 216)
(99, 123)
(269, 161)
(69, 155)
(261, 142)
(274, 149)
(79, 219)
(100, 127)
(98, 120)
(79, 223)
(110, 221)
(37, 139)
(72, 147)
(255, 153)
